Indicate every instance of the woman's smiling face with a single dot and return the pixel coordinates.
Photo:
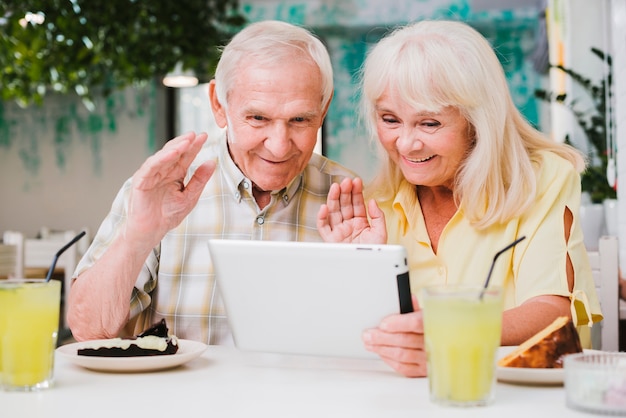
(428, 147)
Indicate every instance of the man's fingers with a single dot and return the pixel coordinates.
(190, 150)
(171, 162)
(200, 178)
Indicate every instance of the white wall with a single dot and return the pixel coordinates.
(579, 26)
(617, 21)
(600, 24)
(61, 166)
(37, 189)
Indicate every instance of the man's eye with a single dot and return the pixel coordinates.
(256, 120)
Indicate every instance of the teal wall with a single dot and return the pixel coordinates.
(350, 27)
(62, 163)
(67, 122)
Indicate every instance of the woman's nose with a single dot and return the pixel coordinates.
(409, 140)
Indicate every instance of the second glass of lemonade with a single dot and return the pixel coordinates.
(462, 327)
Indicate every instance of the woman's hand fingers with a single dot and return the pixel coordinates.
(404, 352)
(399, 341)
(415, 368)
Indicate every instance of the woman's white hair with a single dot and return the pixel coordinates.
(270, 43)
(436, 64)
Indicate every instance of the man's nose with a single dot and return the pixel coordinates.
(278, 140)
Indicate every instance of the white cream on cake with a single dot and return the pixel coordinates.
(149, 342)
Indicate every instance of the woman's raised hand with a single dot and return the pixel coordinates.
(344, 217)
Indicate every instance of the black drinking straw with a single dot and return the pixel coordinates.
(61, 251)
(493, 263)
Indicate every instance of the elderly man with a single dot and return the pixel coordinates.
(261, 180)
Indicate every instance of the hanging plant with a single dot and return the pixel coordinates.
(596, 123)
(96, 46)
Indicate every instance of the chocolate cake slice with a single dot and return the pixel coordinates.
(155, 341)
(547, 348)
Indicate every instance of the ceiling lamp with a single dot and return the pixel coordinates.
(180, 78)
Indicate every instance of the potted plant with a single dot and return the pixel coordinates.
(595, 123)
(598, 215)
(92, 48)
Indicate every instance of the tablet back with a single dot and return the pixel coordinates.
(308, 298)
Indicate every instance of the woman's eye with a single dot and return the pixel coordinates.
(388, 119)
(431, 124)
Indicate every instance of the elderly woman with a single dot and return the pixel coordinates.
(464, 174)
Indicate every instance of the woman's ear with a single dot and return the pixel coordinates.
(219, 111)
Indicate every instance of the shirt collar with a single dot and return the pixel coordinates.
(238, 183)
(406, 205)
(409, 211)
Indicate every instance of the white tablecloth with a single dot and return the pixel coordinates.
(225, 382)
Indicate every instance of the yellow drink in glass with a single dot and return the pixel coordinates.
(462, 334)
(29, 323)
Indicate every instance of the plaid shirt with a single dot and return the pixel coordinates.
(177, 280)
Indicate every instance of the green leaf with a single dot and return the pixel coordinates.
(594, 123)
(103, 45)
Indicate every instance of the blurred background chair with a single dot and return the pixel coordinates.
(11, 256)
(37, 254)
(46, 233)
(604, 265)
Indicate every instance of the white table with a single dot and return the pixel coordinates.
(225, 382)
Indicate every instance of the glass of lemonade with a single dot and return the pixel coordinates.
(462, 327)
(29, 323)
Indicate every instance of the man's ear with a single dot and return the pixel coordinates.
(327, 106)
(219, 111)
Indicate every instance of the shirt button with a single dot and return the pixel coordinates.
(442, 271)
(245, 184)
(286, 198)
(237, 196)
(260, 220)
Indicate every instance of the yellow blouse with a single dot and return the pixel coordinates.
(536, 266)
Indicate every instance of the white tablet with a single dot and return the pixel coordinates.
(308, 298)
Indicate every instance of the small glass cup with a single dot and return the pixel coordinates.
(595, 382)
(462, 327)
(29, 324)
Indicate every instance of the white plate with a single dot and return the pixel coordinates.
(187, 351)
(526, 375)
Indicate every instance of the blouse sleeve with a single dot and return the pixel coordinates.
(542, 266)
